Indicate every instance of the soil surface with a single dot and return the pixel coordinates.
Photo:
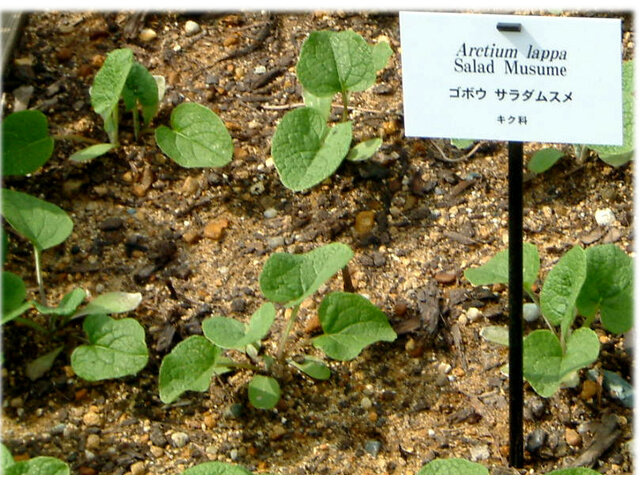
(140, 225)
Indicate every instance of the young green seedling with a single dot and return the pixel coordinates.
(460, 466)
(598, 280)
(216, 468)
(305, 150)
(33, 466)
(350, 323)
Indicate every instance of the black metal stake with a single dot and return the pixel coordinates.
(516, 443)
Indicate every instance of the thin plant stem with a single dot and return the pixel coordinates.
(136, 123)
(345, 106)
(36, 254)
(287, 330)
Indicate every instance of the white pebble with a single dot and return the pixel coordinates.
(473, 314)
(366, 403)
(147, 35)
(191, 27)
(260, 69)
(179, 439)
(270, 213)
(530, 312)
(605, 217)
(480, 452)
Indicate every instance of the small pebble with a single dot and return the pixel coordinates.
(260, 69)
(215, 229)
(372, 447)
(572, 437)
(110, 224)
(22, 97)
(535, 440)
(92, 419)
(605, 217)
(257, 188)
(156, 451)
(189, 186)
(589, 389)
(479, 452)
(233, 454)
(179, 439)
(445, 277)
(530, 312)
(270, 213)
(147, 34)
(365, 222)
(474, 314)
(191, 27)
(444, 368)
(93, 441)
(366, 403)
(275, 242)
(138, 468)
(89, 455)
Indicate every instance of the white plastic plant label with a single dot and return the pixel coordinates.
(508, 77)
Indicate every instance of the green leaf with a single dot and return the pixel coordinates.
(111, 302)
(496, 334)
(89, 153)
(321, 104)
(229, 333)
(197, 137)
(189, 366)
(110, 80)
(364, 150)
(6, 459)
(14, 294)
(305, 150)
(39, 466)
(561, 288)
(288, 278)
(350, 323)
(380, 54)
(44, 224)
(41, 365)
(333, 62)
(312, 366)
(116, 348)
(614, 155)
(609, 273)
(544, 364)
(461, 143)
(544, 159)
(496, 270)
(142, 88)
(216, 468)
(574, 471)
(69, 303)
(616, 313)
(26, 144)
(453, 466)
(264, 392)
(161, 85)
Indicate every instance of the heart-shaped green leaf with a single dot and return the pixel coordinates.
(264, 392)
(544, 159)
(229, 333)
(544, 364)
(116, 348)
(496, 334)
(14, 294)
(496, 270)
(189, 366)
(333, 62)
(89, 153)
(609, 274)
(6, 459)
(364, 150)
(69, 303)
(111, 302)
(44, 224)
(616, 155)
(561, 288)
(380, 54)
(305, 150)
(216, 468)
(197, 137)
(141, 87)
(41, 365)
(26, 144)
(461, 143)
(38, 466)
(110, 80)
(290, 278)
(312, 366)
(453, 466)
(350, 322)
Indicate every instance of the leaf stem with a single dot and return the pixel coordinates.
(36, 255)
(345, 106)
(285, 334)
